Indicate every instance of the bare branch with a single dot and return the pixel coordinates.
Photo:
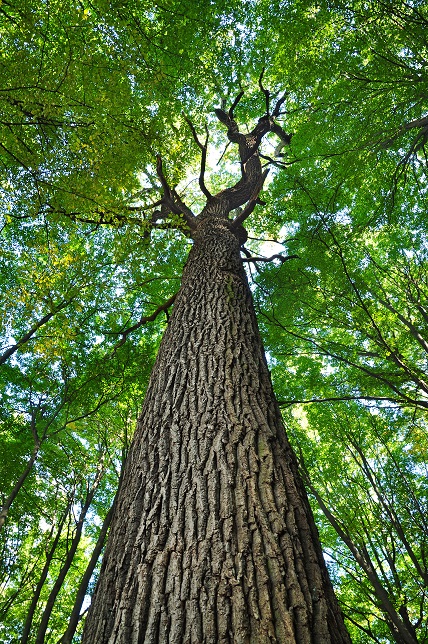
(252, 201)
(422, 122)
(278, 106)
(222, 116)
(164, 182)
(143, 320)
(184, 210)
(223, 153)
(266, 92)
(235, 103)
(282, 258)
(288, 403)
(144, 208)
(27, 336)
(276, 162)
(203, 147)
(171, 200)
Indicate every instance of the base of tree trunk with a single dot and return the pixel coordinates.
(213, 539)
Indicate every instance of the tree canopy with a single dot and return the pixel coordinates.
(104, 106)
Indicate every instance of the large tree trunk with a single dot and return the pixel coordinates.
(213, 539)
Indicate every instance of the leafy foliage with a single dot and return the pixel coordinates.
(91, 93)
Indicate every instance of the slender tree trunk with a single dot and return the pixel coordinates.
(213, 539)
(38, 589)
(402, 632)
(75, 616)
(4, 510)
(41, 633)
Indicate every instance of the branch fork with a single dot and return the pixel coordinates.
(171, 200)
(246, 192)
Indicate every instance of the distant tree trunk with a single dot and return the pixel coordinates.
(402, 630)
(212, 538)
(4, 510)
(45, 571)
(68, 561)
(75, 616)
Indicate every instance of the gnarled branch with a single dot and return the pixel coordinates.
(171, 201)
(246, 212)
(203, 147)
(282, 258)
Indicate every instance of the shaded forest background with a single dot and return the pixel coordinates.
(90, 94)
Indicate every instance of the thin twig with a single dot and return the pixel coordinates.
(143, 320)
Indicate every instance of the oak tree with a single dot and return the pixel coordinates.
(213, 538)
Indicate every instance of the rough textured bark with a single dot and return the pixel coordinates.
(213, 539)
